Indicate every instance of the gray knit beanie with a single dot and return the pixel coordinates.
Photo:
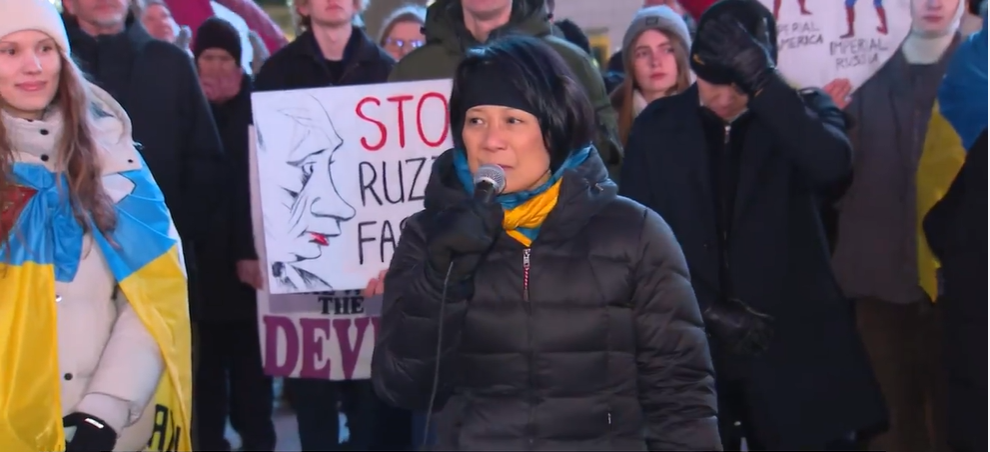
(660, 18)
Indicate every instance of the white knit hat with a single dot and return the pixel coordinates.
(41, 15)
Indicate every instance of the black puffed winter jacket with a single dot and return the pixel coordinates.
(602, 349)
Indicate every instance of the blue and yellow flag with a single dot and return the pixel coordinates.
(941, 159)
(144, 255)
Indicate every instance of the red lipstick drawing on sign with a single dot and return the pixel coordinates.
(319, 239)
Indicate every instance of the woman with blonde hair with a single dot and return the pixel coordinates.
(94, 307)
(655, 57)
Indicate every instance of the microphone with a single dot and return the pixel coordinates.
(489, 181)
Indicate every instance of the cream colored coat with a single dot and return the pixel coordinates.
(109, 362)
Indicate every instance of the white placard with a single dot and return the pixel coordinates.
(339, 170)
(823, 40)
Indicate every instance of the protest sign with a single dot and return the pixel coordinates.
(339, 170)
(825, 40)
(375, 145)
(328, 335)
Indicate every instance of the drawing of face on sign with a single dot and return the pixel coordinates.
(301, 207)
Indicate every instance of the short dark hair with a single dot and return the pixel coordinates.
(561, 105)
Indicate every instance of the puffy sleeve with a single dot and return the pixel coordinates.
(405, 361)
(675, 372)
(128, 372)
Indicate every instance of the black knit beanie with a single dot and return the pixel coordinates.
(216, 33)
(749, 13)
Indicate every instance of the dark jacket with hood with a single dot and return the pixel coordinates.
(301, 65)
(603, 349)
(447, 40)
(747, 214)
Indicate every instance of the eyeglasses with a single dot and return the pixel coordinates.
(403, 44)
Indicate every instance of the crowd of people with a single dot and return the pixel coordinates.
(687, 252)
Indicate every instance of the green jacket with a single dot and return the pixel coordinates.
(447, 40)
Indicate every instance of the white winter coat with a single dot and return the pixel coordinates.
(109, 362)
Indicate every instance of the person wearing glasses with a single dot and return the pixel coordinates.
(402, 31)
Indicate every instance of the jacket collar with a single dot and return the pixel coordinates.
(131, 39)
(359, 49)
(445, 23)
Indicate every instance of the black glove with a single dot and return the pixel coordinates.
(727, 47)
(92, 434)
(740, 328)
(462, 234)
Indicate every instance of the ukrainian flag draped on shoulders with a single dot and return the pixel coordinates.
(144, 255)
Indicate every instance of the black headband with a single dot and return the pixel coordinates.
(487, 87)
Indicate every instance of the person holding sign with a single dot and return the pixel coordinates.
(93, 302)
(876, 258)
(230, 380)
(556, 315)
(334, 50)
(738, 165)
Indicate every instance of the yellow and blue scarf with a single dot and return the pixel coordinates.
(524, 211)
(142, 252)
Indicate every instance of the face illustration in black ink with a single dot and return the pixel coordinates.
(303, 210)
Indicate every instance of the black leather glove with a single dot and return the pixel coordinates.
(738, 327)
(462, 234)
(726, 46)
(92, 434)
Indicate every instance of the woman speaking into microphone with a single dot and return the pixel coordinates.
(556, 316)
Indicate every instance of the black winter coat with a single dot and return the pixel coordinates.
(603, 349)
(815, 384)
(225, 297)
(157, 84)
(956, 229)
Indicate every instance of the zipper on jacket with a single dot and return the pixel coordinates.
(530, 424)
(725, 209)
(526, 264)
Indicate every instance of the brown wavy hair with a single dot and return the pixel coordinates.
(622, 96)
(77, 155)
